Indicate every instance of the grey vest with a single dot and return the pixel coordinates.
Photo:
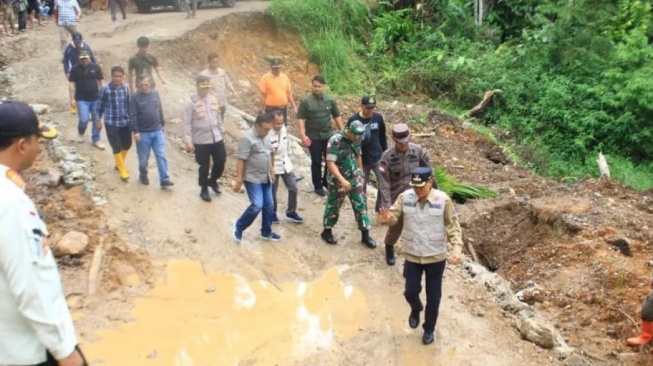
(424, 233)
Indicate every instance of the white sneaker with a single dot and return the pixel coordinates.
(80, 139)
(98, 145)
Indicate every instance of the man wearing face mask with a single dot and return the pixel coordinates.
(396, 164)
(345, 178)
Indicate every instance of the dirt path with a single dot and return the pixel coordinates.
(216, 303)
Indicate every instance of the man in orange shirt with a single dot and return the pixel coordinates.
(275, 91)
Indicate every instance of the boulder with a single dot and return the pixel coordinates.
(73, 243)
(48, 177)
(538, 332)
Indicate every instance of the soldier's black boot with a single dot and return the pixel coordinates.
(215, 187)
(390, 255)
(328, 237)
(204, 194)
(367, 240)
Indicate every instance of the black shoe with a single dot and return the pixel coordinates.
(367, 240)
(216, 188)
(390, 255)
(145, 181)
(204, 195)
(328, 237)
(320, 192)
(167, 184)
(428, 337)
(413, 319)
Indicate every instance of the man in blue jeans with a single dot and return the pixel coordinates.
(147, 124)
(255, 168)
(84, 89)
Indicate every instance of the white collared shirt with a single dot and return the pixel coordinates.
(34, 315)
(280, 142)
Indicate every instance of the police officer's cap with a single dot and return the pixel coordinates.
(401, 133)
(420, 176)
(17, 119)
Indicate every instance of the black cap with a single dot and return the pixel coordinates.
(77, 37)
(142, 41)
(17, 119)
(369, 101)
(84, 54)
(420, 176)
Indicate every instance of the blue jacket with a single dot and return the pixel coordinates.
(71, 56)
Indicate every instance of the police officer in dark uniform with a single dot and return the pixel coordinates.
(396, 164)
(430, 225)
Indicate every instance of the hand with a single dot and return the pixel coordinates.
(137, 137)
(455, 258)
(305, 140)
(190, 147)
(73, 104)
(345, 185)
(384, 215)
(74, 359)
(98, 125)
(294, 109)
(238, 186)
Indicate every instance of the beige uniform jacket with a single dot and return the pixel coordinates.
(451, 224)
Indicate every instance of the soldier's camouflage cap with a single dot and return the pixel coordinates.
(356, 127)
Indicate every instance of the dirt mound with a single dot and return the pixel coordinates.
(66, 210)
(242, 41)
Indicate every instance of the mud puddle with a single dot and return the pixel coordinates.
(192, 319)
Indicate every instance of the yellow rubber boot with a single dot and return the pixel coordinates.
(644, 337)
(120, 165)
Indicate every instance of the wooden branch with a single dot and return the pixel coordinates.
(96, 265)
(603, 166)
(428, 134)
(480, 107)
(626, 315)
(470, 249)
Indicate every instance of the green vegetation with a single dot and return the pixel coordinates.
(576, 75)
(459, 192)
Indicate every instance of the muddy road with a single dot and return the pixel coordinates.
(179, 291)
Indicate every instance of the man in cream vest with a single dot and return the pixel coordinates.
(430, 224)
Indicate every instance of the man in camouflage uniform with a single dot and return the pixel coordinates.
(396, 164)
(345, 178)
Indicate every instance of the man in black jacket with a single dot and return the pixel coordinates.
(374, 141)
(147, 123)
(84, 89)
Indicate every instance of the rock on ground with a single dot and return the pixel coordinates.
(73, 243)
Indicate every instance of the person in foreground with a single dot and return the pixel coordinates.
(429, 220)
(36, 326)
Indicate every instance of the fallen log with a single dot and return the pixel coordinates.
(96, 265)
(480, 107)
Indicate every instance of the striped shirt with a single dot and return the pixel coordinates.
(114, 104)
(67, 12)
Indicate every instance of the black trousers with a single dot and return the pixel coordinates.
(433, 279)
(203, 155)
(120, 138)
(318, 150)
(284, 110)
(52, 362)
(222, 110)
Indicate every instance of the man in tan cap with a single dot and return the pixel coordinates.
(396, 164)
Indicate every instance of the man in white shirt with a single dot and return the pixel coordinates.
(35, 324)
(283, 169)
